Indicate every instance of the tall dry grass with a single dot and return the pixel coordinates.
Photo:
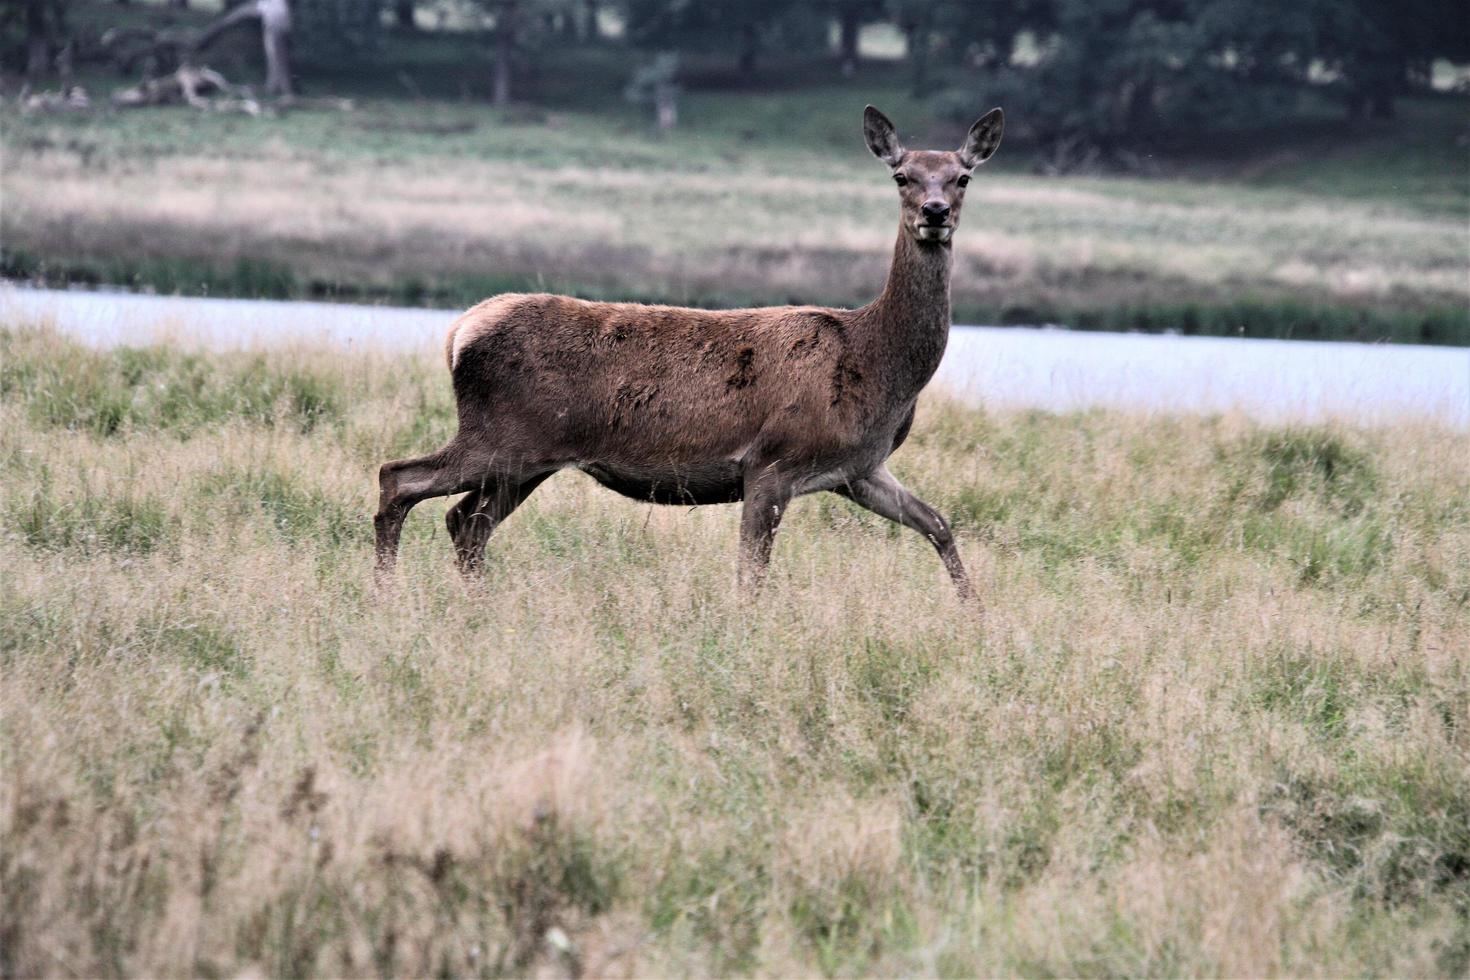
(1214, 720)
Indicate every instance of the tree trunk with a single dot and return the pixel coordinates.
(1138, 112)
(236, 13)
(504, 47)
(850, 25)
(748, 39)
(38, 39)
(918, 44)
(666, 106)
(591, 29)
(403, 13)
(1376, 80)
(275, 27)
(1381, 106)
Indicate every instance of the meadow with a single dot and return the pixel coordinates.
(1214, 717)
(1317, 230)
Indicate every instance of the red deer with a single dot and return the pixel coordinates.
(690, 406)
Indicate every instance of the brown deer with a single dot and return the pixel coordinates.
(689, 406)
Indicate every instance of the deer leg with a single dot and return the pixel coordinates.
(881, 493)
(462, 520)
(479, 513)
(402, 484)
(766, 495)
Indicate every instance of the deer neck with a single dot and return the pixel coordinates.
(910, 318)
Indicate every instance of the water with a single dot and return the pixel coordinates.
(1051, 369)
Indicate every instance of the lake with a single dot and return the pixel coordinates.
(1037, 367)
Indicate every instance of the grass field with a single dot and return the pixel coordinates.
(761, 196)
(1213, 719)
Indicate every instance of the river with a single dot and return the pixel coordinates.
(1002, 367)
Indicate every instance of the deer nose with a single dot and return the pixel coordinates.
(935, 211)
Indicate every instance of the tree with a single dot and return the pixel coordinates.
(590, 28)
(403, 13)
(946, 29)
(917, 20)
(1379, 50)
(45, 33)
(851, 15)
(505, 39)
(275, 30)
(514, 22)
(338, 32)
(185, 48)
(654, 84)
(1111, 77)
(747, 27)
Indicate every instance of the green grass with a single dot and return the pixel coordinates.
(156, 389)
(1419, 160)
(68, 515)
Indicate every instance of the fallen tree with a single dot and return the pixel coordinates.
(178, 51)
(189, 85)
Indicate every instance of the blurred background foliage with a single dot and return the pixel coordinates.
(1087, 82)
(1306, 165)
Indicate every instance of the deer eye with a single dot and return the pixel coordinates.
(964, 180)
(900, 179)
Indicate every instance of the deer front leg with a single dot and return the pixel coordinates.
(881, 493)
(766, 495)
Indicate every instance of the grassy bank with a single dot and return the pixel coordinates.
(760, 197)
(1283, 317)
(1212, 720)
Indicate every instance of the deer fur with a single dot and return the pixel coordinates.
(688, 406)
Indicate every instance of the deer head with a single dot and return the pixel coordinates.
(931, 183)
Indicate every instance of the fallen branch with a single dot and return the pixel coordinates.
(188, 85)
(206, 89)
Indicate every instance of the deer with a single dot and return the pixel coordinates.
(674, 405)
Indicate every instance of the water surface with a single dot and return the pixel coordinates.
(1044, 368)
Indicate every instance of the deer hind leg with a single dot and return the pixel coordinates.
(402, 484)
(464, 520)
(479, 513)
(881, 493)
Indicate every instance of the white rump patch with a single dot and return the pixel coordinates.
(473, 323)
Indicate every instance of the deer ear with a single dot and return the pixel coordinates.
(881, 136)
(983, 138)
